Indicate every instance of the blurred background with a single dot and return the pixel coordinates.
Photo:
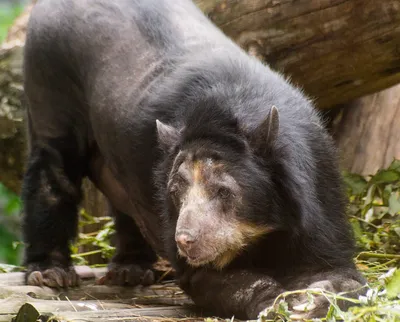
(9, 202)
(9, 226)
(9, 10)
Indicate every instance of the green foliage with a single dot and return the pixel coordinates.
(7, 17)
(10, 252)
(393, 286)
(374, 212)
(376, 305)
(99, 239)
(10, 206)
(10, 202)
(374, 209)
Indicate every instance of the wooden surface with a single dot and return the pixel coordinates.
(153, 314)
(92, 302)
(164, 293)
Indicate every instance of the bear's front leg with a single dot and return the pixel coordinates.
(134, 258)
(239, 293)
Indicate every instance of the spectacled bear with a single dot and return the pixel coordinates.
(206, 155)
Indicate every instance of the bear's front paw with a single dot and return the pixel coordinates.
(54, 277)
(305, 307)
(127, 275)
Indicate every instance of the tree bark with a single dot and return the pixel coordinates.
(368, 132)
(337, 50)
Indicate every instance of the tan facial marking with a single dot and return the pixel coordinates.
(197, 168)
(197, 190)
(243, 234)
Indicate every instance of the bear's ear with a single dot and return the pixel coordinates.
(266, 133)
(168, 136)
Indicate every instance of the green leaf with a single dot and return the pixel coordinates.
(369, 215)
(394, 204)
(356, 183)
(385, 176)
(283, 309)
(395, 165)
(369, 198)
(13, 206)
(358, 233)
(380, 211)
(330, 315)
(393, 287)
(27, 312)
(387, 192)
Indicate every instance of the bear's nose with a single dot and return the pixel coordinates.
(184, 240)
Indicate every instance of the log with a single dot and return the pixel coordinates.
(337, 50)
(29, 313)
(168, 294)
(163, 293)
(13, 305)
(368, 132)
(159, 302)
(85, 273)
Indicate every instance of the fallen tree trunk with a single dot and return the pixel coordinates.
(336, 50)
(367, 132)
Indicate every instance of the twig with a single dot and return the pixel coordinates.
(86, 253)
(377, 255)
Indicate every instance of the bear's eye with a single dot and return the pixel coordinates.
(224, 193)
(177, 187)
(176, 193)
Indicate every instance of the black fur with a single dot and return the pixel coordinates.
(47, 190)
(298, 179)
(98, 75)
